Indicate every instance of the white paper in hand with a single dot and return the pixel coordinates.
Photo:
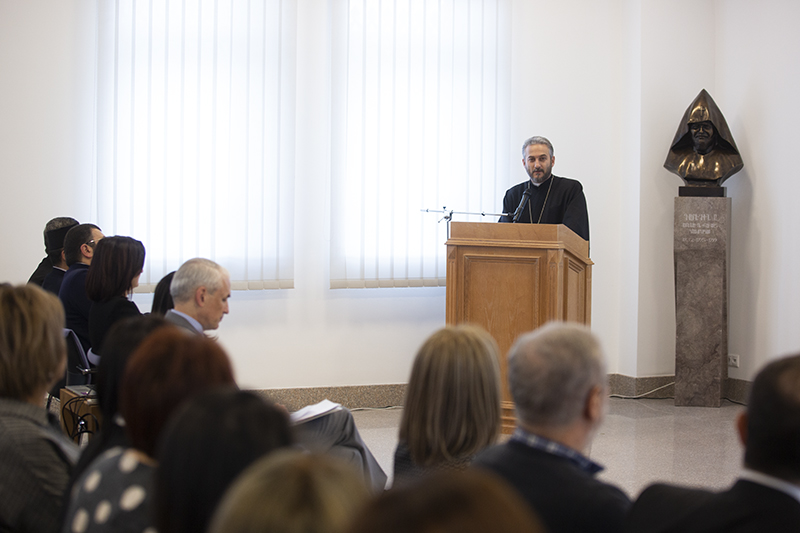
(310, 412)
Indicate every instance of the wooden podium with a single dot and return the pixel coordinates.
(513, 278)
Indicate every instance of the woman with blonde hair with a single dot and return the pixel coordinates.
(292, 492)
(35, 457)
(452, 407)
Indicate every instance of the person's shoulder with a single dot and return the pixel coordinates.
(568, 183)
(661, 503)
(74, 274)
(517, 189)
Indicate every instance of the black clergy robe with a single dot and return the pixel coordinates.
(565, 204)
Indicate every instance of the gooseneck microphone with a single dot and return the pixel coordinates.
(526, 194)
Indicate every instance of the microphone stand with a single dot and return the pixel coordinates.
(448, 215)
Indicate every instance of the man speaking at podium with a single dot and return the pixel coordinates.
(545, 199)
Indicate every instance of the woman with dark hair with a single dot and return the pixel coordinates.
(452, 406)
(162, 299)
(114, 273)
(206, 445)
(168, 368)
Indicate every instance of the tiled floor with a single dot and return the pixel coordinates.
(640, 442)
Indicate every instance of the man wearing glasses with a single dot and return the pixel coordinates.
(79, 246)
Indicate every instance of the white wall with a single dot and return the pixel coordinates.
(758, 79)
(607, 81)
(46, 100)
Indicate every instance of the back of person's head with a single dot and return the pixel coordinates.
(292, 492)
(169, 367)
(472, 501)
(76, 237)
(54, 233)
(32, 348)
(452, 406)
(193, 274)
(116, 262)
(210, 441)
(551, 372)
(122, 339)
(162, 299)
(773, 420)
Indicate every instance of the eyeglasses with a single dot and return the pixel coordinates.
(90, 243)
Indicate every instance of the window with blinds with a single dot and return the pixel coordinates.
(419, 121)
(196, 140)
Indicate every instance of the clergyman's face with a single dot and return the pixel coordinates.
(538, 162)
(703, 136)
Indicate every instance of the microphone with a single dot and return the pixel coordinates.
(526, 194)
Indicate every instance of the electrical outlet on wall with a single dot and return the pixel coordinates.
(733, 360)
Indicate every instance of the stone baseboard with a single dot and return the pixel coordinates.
(379, 396)
(735, 390)
(352, 397)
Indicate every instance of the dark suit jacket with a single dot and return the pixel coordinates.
(747, 507)
(179, 321)
(76, 302)
(52, 282)
(566, 498)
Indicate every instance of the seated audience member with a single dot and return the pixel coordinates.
(200, 289)
(122, 340)
(292, 492)
(46, 265)
(766, 497)
(452, 406)
(54, 242)
(162, 299)
(557, 378)
(112, 276)
(115, 494)
(35, 457)
(471, 501)
(206, 445)
(79, 246)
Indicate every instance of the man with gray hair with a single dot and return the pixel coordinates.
(545, 198)
(557, 378)
(200, 290)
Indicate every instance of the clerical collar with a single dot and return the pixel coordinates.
(542, 183)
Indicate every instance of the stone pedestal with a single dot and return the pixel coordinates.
(702, 237)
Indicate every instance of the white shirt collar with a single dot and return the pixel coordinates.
(772, 482)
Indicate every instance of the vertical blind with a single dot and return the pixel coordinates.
(195, 145)
(196, 132)
(419, 121)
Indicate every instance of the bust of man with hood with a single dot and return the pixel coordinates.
(703, 151)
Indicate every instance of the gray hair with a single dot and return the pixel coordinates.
(551, 371)
(537, 140)
(193, 274)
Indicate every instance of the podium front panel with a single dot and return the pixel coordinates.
(513, 278)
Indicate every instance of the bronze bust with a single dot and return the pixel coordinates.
(703, 152)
